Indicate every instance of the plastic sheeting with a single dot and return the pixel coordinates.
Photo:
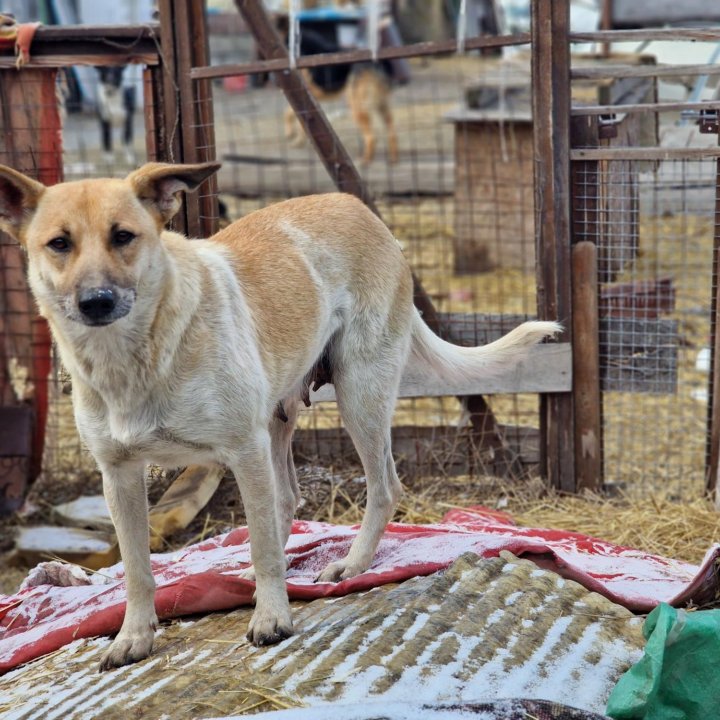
(206, 576)
(677, 677)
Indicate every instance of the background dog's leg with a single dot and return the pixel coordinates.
(126, 497)
(106, 133)
(293, 130)
(363, 120)
(253, 468)
(366, 393)
(392, 143)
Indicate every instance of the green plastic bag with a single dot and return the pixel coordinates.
(678, 677)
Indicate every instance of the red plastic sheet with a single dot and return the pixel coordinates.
(205, 577)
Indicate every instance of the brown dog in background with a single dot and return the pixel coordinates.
(367, 92)
(366, 86)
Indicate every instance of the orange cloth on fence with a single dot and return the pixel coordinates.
(18, 37)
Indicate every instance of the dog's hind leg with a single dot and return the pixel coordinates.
(366, 392)
(288, 492)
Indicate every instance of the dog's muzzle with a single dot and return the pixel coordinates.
(103, 305)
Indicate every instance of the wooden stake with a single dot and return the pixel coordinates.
(586, 367)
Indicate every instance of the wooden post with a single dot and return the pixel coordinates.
(187, 112)
(586, 367)
(344, 174)
(712, 450)
(30, 141)
(551, 118)
(586, 231)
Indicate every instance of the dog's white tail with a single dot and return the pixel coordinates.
(432, 357)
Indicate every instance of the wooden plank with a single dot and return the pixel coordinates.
(658, 12)
(280, 64)
(613, 72)
(65, 34)
(652, 154)
(547, 369)
(47, 62)
(550, 21)
(680, 34)
(586, 367)
(639, 353)
(443, 450)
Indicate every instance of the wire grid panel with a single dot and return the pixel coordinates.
(457, 191)
(654, 225)
(103, 136)
(29, 143)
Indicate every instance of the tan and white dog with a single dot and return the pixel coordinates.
(185, 352)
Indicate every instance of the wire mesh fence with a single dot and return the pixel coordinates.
(655, 313)
(452, 175)
(451, 197)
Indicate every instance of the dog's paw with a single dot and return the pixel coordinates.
(128, 648)
(268, 628)
(340, 570)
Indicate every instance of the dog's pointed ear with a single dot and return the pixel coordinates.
(19, 196)
(159, 185)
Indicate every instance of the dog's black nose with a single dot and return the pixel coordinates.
(97, 304)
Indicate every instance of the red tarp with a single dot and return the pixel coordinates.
(205, 577)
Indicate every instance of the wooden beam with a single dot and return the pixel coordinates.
(653, 154)
(712, 449)
(679, 34)
(49, 62)
(550, 23)
(586, 367)
(422, 49)
(613, 72)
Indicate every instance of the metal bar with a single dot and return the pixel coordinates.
(278, 63)
(551, 128)
(655, 154)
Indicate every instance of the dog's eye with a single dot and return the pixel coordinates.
(122, 237)
(59, 244)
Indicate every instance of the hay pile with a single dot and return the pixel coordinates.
(655, 523)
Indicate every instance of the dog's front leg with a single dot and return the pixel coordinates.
(253, 469)
(125, 494)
